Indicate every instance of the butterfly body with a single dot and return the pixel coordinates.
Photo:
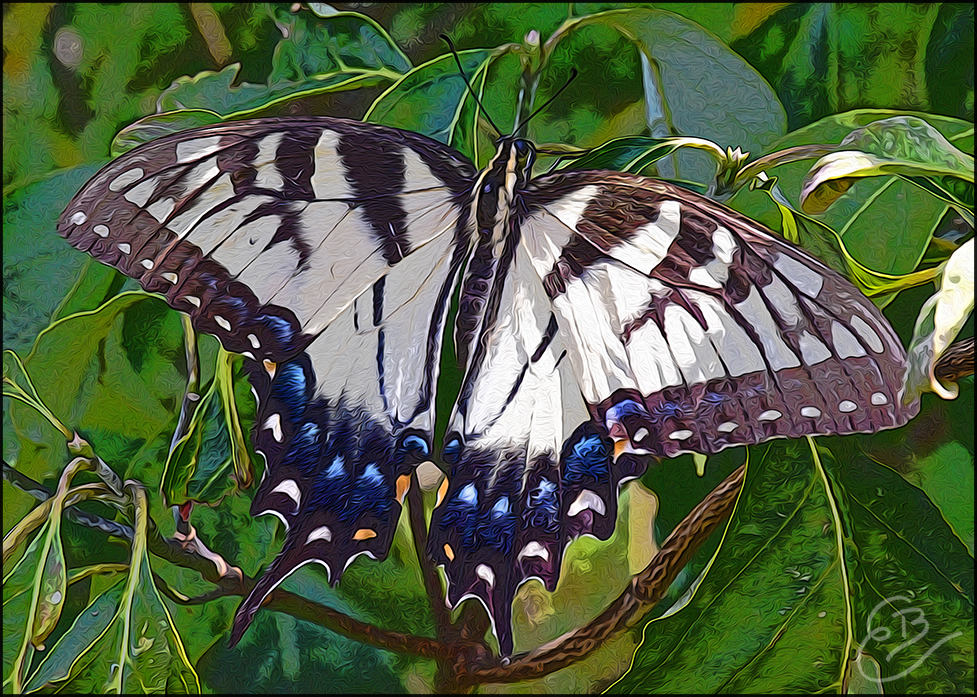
(602, 317)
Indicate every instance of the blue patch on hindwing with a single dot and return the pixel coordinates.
(586, 457)
(452, 451)
(415, 448)
(305, 450)
(495, 530)
(624, 409)
(544, 507)
(291, 389)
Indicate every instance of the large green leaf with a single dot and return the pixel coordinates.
(886, 223)
(39, 267)
(912, 580)
(280, 652)
(695, 86)
(115, 375)
(679, 489)
(902, 145)
(770, 614)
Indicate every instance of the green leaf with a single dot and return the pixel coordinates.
(280, 652)
(139, 651)
(19, 602)
(115, 375)
(71, 655)
(51, 584)
(430, 98)
(773, 599)
(901, 145)
(349, 40)
(697, 82)
(886, 223)
(637, 154)
(826, 57)
(947, 477)
(913, 600)
(208, 98)
(39, 267)
(213, 458)
(679, 489)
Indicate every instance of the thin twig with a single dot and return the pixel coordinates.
(74, 514)
(432, 582)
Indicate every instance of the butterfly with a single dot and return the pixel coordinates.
(602, 318)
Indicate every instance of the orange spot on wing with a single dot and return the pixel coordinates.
(442, 490)
(403, 484)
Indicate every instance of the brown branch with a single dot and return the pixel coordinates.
(956, 362)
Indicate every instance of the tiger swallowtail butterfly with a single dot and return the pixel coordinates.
(602, 318)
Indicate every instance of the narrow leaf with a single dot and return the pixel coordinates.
(902, 145)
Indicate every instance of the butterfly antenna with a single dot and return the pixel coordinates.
(573, 75)
(471, 91)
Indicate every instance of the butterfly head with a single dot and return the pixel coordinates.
(515, 156)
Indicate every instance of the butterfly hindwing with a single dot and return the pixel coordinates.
(500, 520)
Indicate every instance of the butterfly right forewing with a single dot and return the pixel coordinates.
(691, 328)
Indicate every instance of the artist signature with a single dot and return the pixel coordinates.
(910, 617)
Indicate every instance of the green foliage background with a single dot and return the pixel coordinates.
(898, 506)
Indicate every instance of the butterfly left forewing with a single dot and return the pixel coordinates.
(691, 328)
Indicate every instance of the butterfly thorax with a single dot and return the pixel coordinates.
(494, 198)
